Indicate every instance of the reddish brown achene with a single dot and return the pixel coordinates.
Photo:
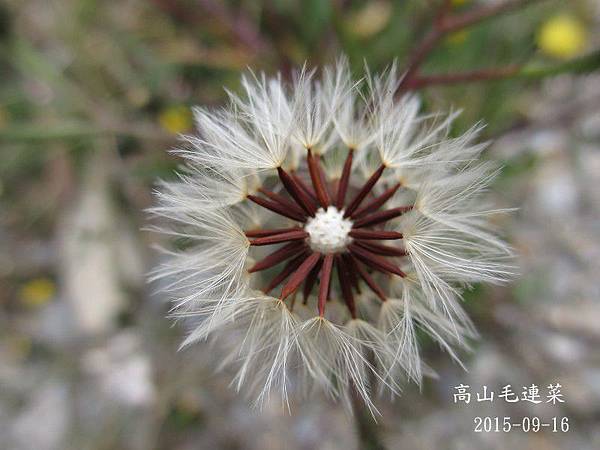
(305, 264)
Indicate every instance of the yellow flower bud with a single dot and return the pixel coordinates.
(370, 19)
(458, 37)
(176, 119)
(37, 292)
(562, 36)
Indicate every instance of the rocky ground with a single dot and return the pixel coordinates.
(88, 360)
(127, 387)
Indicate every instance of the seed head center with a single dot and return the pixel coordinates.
(328, 231)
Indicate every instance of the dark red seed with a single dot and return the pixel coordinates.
(283, 201)
(324, 280)
(288, 269)
(300, 274)
(267, 232)
(368, 279)
(306, 188)
(376, 203)
(287, 251)
(297, 192)
(375, 235)
(346, 285)
(277, 208)
(317, 179)
(310, 281)
(281, 237)
(375, 261)
(380, 249)
(344, 180)
(381, 216)
(364, 191)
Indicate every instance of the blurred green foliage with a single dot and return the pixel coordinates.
(90, 75)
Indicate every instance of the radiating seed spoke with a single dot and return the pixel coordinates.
(344, 180)
(380, 249)
(288, 269)
(352, 271)
(287, 251)
(375, 261)
(277, 208)
(299, 275)
(281, 237)
(310, 281)
(270, 232)
(346, 285)
(324, 281)
(317, 179)
(375, 235)
(376, 203)
(283, 201)
(297, 192)
(381, 216)
(364, 191)
(306, 188)
(368, 279)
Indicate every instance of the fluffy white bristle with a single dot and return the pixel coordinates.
(329, 231)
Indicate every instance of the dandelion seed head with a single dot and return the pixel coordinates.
(320, 226)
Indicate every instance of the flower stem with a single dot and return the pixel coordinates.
(583, 64)
(367, 428)
(445, 23)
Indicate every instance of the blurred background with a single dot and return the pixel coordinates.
(92, 95)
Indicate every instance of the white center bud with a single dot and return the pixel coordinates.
(328, 231)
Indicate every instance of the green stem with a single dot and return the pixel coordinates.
(39, 133)
(367, 429)
(583, 64)
(34, 133)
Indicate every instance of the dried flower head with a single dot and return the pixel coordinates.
(320, 225)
